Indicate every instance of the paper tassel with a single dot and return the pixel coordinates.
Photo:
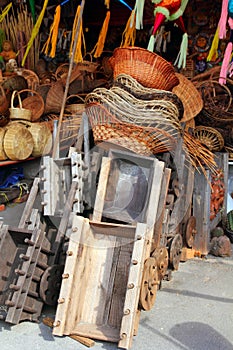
(78, 57)
(213, 53)
(107, 3)
(5, 11)
(53, 34)
(139, 8)
(223, 19)
(151, 43)
(98, 49)
(225, 64)
(181, 57)
(129, 34)
(35, 31)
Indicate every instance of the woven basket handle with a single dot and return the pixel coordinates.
(77, 96)
(12, 100)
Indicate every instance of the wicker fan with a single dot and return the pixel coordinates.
(210, 137)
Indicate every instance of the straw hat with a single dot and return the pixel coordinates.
(190, 97)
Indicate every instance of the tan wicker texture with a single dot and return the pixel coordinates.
(54, 98)
(19, 112)
(148, 68)
(42, 139)
(210, 137)
(33, 102)
(190, 97)
(3, 155)
(18, 142)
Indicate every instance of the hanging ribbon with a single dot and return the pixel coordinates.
(5, 11)
(98, 49)
(78, 57)
(53, 34)
(35, 31)
(129, 34)
(33, 10)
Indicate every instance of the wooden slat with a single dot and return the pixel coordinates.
(30, 202)
(100, 194)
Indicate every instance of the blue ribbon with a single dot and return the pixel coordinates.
(124, 3)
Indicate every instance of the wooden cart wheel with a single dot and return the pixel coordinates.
(50, 284)
(161, 256)
(175, 251)
(190, 231)
(150, 282)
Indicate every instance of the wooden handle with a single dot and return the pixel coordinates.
(48, 321)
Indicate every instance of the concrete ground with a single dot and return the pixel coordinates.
(193, 311)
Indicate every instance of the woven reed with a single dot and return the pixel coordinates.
(42, 139)
(148, 68)
(32, 78)
(215, 95)
(141, 140)
(18, 142)
(3, 155)
(215, 117)
(104, 105)
(19, 112)
(54, 98)
(33, 102)
(156, 139)
(210, 137)
(75, 108)
(131, 85)
(190, 97)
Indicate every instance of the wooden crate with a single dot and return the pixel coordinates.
(101, 281)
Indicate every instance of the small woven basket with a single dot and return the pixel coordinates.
(210, 137)
(18, 142)
(19, 112)
(75, 108)
(148, 68)
(33, 102)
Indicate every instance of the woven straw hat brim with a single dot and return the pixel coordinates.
(190, 97)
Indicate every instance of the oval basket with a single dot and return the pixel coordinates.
(210, 137)
(3, 155)
(33, 102)
(148, 68)
(19, 112)
(18, 142)
(54, 98)
(42, 138)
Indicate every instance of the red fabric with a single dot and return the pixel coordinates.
(159, 19)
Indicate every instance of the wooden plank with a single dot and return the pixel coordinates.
(67, 282)
(117, 230)
(101, 190)
(30, 202)
(161, 209)
(132, 294)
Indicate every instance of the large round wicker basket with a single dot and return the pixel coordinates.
(148, 68)
(42, 138)
(18, 142)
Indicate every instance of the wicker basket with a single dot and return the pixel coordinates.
(148, 68)
(3, 155)
(210, 137)
(33, 102)
(190, 97)
(54, 98)
(19, 112)
(18, 142)
(3, 101)
(42, 139)
(32, 78)
(75, 108)
(151, 139)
